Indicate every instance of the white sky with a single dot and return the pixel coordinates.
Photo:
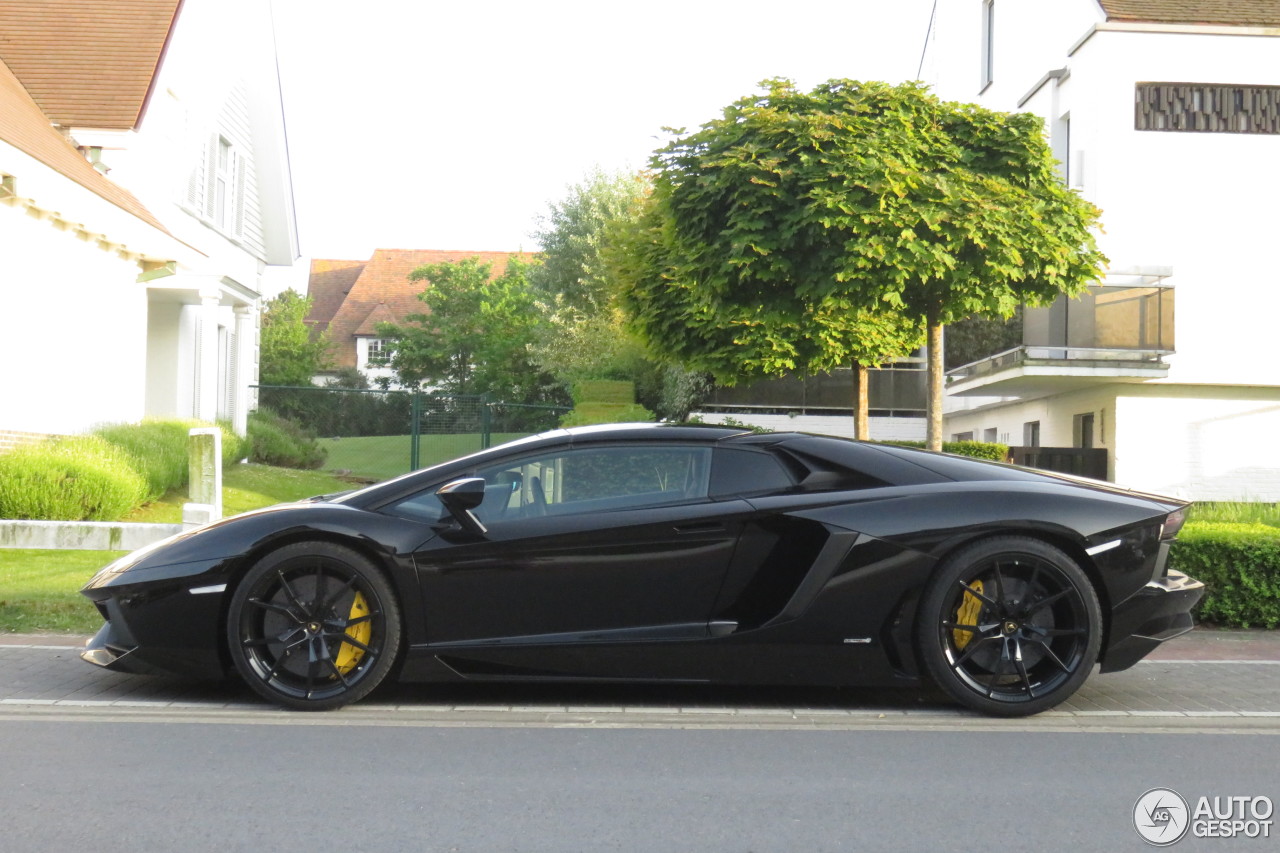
(416, 124)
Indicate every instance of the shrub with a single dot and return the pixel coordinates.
(1240, 567)
(159, 450)
(275, 440)
(83, 478)
(977, 449)
(585, 414)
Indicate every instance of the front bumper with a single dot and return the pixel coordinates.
(1159, 611)
(167, 620)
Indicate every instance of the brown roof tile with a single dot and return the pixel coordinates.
(1258, 13)
(381, 289)
(25, 127)
(328, 284)
(87, 63)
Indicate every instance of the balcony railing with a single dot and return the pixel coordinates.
(1079, 356)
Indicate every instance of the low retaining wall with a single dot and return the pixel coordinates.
(82, 535)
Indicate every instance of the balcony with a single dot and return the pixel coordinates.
(1113, 333)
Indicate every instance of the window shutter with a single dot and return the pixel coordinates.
(210, 177)
(237, 198)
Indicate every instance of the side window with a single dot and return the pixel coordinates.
(595, 479)
(747, 472)
(590, 479)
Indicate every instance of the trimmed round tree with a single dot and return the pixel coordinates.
(809, 229)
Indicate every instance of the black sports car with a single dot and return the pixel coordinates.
(666, 553)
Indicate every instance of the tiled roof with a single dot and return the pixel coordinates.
(25, 127)
(377, 289)
(87, 63)
(1258, 13)
(328, 284)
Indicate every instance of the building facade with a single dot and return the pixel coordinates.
(144, 209)
(1165, 114)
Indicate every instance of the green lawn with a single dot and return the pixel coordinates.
(40, 590)
(246, 487)
(379, 457)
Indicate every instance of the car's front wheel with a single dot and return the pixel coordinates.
(313, 626)
(1010, 626)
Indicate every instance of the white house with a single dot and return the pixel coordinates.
(1166, 114)
(145, 200)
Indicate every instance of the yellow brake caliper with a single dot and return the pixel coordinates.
(967, 614)
(349, 655)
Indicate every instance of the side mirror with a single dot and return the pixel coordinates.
(460, 497)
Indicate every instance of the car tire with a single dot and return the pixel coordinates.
(1009, 626)
(313, 626)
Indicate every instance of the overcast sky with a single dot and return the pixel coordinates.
(426, 125)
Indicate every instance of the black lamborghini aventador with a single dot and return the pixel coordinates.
(666, 553)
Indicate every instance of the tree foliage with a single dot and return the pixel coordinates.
(779, 233)
(289, 353)
(474, 336)
(573, 233)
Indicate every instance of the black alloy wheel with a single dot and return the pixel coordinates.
(313, 626)
(1010, 626)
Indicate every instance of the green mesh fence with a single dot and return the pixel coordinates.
(379, 434)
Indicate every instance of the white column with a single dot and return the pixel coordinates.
(206, 387)
(246, 366)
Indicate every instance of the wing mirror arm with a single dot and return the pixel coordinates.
(460, 497)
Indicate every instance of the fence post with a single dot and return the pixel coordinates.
(204, 467)
(486, 423)
(415, 430)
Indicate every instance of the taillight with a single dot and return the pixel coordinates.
(1173, 523)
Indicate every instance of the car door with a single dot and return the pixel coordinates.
(602, 544)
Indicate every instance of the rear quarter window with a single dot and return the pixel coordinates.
(747, 472)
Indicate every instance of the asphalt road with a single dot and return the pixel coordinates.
(80, 783)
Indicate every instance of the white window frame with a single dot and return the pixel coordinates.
(988, 70)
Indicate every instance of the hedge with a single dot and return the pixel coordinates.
(81, 478)
(977, 449)
(159, 450)
(1240, 567)
(277, 440)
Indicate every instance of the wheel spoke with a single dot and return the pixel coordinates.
(275, 608)
(337, 672)
(1045, 602)
(979, 595)
(1022, 669)
(999, 586)
(289, 593)
(969, 651)
(347, 638)
(333, 599)
(995, 676)
(321, 586)
(1048, 650)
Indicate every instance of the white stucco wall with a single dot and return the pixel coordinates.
(58, 373)
(1200, 443)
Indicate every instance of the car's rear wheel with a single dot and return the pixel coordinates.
(313, 626)
(1010, 626)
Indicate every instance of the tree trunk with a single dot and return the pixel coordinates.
(935, 379)
(861, 421)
